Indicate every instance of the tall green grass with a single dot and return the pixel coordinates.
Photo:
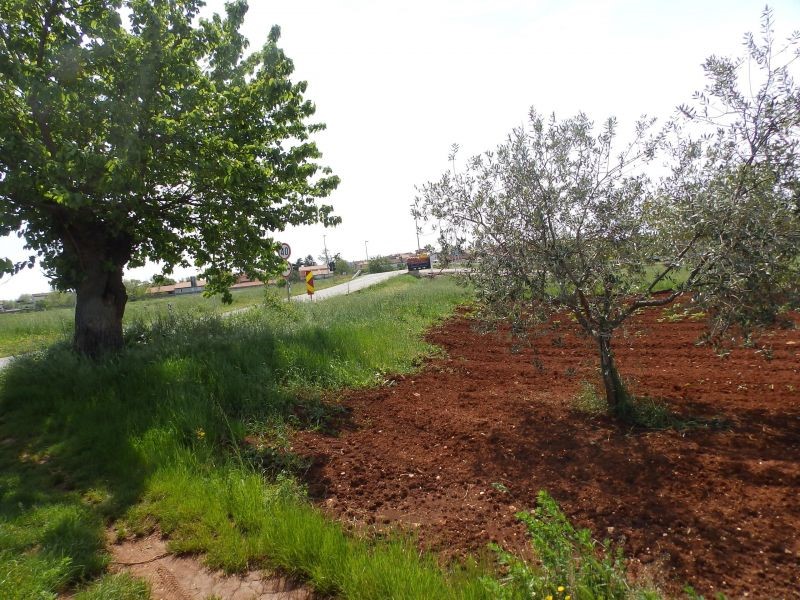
(21, 333)
(153, 437)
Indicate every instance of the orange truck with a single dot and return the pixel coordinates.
(418, 262)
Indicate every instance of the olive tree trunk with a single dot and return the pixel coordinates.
(616, 395)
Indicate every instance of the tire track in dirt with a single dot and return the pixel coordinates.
(172, 590)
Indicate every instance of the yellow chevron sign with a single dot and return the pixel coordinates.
(310, 283)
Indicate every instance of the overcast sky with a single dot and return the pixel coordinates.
(397, 83)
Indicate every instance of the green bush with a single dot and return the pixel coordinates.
(342, 266)
(379, 264)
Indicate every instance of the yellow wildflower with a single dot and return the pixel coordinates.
(560, 589)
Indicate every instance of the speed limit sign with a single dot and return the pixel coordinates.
(285, 251)
(287, 270)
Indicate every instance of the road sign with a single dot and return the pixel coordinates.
(285, 251)
(310, 283)
(287, 270)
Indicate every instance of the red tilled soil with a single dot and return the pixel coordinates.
(716, 508)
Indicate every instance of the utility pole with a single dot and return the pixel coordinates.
(324, 243)
(366, 252)
(416, 228)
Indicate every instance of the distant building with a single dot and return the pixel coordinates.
(192, 286)
(195, 286)
(242, 281)
(319, 271)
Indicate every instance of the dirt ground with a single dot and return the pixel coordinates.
(185, 578)
(454, 451)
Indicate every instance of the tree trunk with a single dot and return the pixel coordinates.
(101, 299)
(616, 395)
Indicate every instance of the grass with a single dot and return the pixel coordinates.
(641, 412)
(26, 332)
(116, 587)
(668, 283)
(153, 438)
(21, 333)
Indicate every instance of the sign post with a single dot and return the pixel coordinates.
(310, 284)
(285, 251)
(287, 273)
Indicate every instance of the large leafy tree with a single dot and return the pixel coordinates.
(134, 131)
(560, 218)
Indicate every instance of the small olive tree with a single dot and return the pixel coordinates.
(559, 218)
(556, 221)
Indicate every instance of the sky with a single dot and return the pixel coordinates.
(398, 82)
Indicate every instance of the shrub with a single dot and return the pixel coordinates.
(379, 264)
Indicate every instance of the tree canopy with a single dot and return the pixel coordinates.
(732, 200)
(135, 131)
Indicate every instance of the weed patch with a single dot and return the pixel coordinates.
(570, 563)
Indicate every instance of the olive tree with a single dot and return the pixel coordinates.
(733, 196)
(563, 218)
(134, 130)
(555, 220)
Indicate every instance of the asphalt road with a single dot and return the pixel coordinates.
(354, 285)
